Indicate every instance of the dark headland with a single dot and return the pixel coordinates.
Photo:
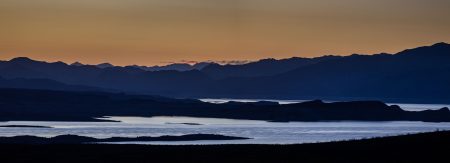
(24, 126)
(45, 105)
(424, 147)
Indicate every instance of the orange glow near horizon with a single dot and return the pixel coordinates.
(156, 32)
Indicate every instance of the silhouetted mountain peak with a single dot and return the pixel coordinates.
(440, 44)
(201, 65)
(77, 64)
(60, 63)
(105, 65)
(21, 60)
(438, 49)
(174, 66)
(267, 60)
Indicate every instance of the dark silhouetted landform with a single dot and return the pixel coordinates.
(424, 147)
(264, 67)
(104, 65)
(24, 126)
(192, 124)
(169, 67)
(75, 139)
(174, 66)
(419, 75)
(45, 84)
(41, 105)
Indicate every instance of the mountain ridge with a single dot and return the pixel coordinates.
(414, 75)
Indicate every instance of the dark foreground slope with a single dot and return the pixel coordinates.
(85, 106)
(427, 147)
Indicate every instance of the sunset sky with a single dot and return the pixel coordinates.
(149, 32)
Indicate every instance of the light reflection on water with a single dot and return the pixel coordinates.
(261, 132)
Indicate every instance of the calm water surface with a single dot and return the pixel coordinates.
(261, 132)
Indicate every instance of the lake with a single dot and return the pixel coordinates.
(261, 132)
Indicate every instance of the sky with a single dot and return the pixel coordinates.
(157, 32)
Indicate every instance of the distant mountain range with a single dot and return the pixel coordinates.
(264, 67)
(415, 75)
(174, 66)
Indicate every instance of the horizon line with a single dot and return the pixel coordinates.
(221, 62)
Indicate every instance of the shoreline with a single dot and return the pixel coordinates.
(75, 139)
(422, 147)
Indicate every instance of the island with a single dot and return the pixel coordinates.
(23, 105)
(24, 126)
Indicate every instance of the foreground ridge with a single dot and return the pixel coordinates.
(423, 147)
